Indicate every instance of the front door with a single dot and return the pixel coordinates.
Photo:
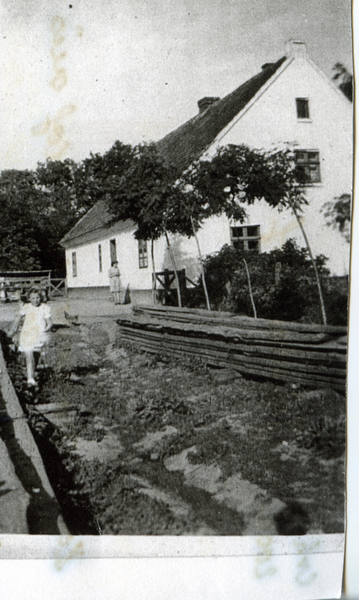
(113, 251)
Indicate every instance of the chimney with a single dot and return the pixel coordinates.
(206, 102)
(295, 48)
(267, 66)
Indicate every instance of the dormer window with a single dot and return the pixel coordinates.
(302, 108)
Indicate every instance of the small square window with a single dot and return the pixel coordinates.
(246, 237)
(142, 254)
(302, 108)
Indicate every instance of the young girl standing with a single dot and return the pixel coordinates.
(34, 332)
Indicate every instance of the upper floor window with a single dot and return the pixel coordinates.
(246, 237)
(74, 264)
(302, 108)
(142, 254)
(307, 166)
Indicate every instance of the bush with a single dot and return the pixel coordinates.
(291, 296)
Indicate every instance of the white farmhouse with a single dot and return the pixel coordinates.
(289, 103)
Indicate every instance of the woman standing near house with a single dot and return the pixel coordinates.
(114, 275)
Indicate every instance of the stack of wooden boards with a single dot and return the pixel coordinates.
(314, 355)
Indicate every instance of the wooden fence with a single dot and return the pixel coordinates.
(312, 355)
(15, 288)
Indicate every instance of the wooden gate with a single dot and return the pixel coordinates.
(15, 285)
(58, 287)
(166, 278)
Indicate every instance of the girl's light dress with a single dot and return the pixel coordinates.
(33, 335)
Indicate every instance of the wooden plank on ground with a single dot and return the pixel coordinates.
(174, 313)
(244, 334)
(250, 369)
(310, 374)
(232, 345)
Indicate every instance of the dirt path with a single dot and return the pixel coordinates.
(140, 444)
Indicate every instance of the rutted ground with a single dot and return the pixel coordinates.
(150, 445)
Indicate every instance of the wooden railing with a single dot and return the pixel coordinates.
(15, 288)
(58, 287)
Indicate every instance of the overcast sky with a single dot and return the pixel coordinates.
(76, 77)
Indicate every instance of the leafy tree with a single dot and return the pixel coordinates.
(98, 176)
(19, 229)
(59, 208)
(338, 214)
(344, 80)
(150, 193)
(38, 208)
(146, 194)
(238, 176)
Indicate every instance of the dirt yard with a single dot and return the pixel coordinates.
(142, 444)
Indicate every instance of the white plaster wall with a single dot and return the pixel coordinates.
(88, 274)
(272, 121)
(213, 235)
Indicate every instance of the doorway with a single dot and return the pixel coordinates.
(113, 251)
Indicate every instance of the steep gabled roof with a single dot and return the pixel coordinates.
(188, 142)
(180, 147)
(92, 226)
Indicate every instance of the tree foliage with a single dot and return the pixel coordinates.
(19, 230)
(151, 194)
(237, 176)
(38, 207)
(344, 80)
(338, 214)
(292, 296)
(145, 193)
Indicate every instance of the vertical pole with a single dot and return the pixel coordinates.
(174, 268)
(201, 264)
(321, 299)
(250, 289)
(153, 273)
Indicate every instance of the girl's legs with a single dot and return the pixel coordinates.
(117, 297)
(30, 367)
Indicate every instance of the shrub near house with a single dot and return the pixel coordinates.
(283, 285)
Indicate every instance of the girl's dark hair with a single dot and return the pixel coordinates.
(37, 290)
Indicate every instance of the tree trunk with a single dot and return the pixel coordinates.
(324, 316)
(175, 269)
(201, 263)
(153, 273)
(250, 288)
